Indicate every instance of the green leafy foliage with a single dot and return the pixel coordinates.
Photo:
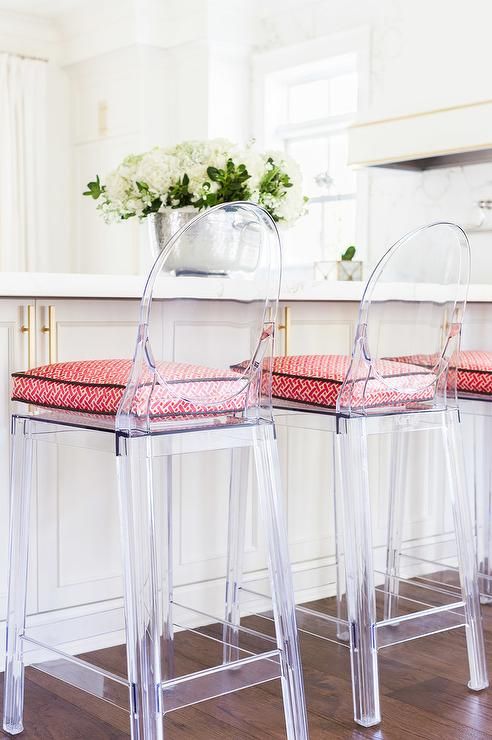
(349, 254)
(178, 194)
(274, 180)
(94, 188)
(231, 185)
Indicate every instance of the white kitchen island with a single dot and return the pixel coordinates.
(75, 552)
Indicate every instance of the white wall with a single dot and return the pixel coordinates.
(161, 73)
(424, 54)
(105, 122)
(59, 256)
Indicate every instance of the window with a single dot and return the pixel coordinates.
(307, 109)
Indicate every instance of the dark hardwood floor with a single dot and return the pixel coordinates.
(423, 689)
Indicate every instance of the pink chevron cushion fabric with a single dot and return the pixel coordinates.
(317, 379)
(474, 370)
(97, 387)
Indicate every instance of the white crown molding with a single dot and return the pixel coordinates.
(165, 25)
(232, 21)
(28, 35)
(86, 35)
(75, 35)
(122, 23)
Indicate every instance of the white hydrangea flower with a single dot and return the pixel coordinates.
(158, 170)
(141, 180)
(195, 157)
(255, 165)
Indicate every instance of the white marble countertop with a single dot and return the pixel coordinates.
(73, 285)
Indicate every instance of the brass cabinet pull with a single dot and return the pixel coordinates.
(50, 330)
(31, 338)
(286, 328)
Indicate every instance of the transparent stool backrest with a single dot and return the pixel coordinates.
(409, 325)
(189, 359)
(477, 336)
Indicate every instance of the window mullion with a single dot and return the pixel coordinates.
(333, 124)
(332, 198)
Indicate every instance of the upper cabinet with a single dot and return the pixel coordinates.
(443, 137)
(429, 103)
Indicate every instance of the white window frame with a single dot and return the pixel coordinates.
(274, 70)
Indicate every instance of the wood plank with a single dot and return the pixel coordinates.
(423, 695)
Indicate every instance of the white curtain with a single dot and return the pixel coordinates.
(23, 172)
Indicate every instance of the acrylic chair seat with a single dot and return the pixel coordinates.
(144, 412)
(373, 395)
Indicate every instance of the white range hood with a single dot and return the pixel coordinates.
(438, 138)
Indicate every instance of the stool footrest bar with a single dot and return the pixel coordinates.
(220, 680)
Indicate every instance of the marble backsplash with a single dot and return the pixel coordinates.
(400, 200)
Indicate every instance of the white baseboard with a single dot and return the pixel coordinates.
(96, 621)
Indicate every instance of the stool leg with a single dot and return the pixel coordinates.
(396, 509)
(20, 494)
(361, 601)
(342, 631)
(467, 563)
(166, 562)
(137, 514)
(480, 449)
(269, 491)
(238, 490)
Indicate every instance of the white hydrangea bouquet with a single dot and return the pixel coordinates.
(197, 175)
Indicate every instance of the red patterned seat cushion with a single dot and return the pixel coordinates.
(474, 370)
(97, 387)
(317, 379)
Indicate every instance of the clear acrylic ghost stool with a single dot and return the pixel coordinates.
(422, 282)
(474, 382)
(147, 411)
(474, 391)
(474, 388)
(476, 413)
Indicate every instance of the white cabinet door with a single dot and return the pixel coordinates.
(78, 525)
(477, 328)
(13, 356)
(306, 455)
(318, 328)
(87, 329)
(203, 332)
